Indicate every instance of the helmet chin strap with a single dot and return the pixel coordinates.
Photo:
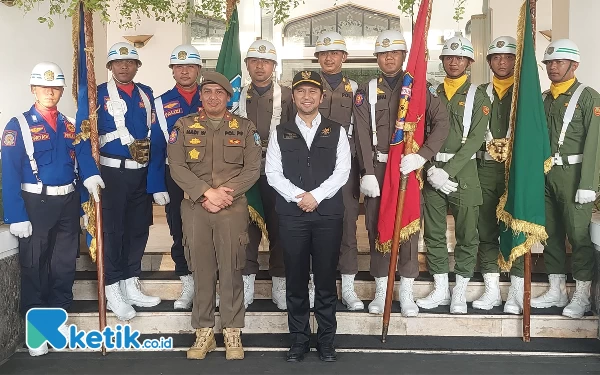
(393, 74)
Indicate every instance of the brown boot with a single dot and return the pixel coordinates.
(233, 343)
(205, 342)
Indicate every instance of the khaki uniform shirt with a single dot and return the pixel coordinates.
(201, 157)
(583, 133)
(337, 105)
(259, 109)
(386, 113)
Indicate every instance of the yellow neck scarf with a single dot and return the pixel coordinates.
(503, 85)
(451, 85)
(560, 88)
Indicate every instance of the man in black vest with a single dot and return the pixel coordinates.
(307, 163)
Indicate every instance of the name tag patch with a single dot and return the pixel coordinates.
(42, 137)
(289, 135)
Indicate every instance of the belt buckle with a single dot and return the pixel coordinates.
(557, 159)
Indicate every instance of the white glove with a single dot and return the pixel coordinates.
(86, 221)
(161, 198)
(449, 187)
(411, 162)
(93, 184)
(22, 229)
(369, 186)
(585, 196)
(437, 177)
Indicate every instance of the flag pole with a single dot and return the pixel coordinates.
(527, 259)
(92, 100)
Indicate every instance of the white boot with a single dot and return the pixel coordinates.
(580, 303)
(39, 351)
(278, 292)
(117, 304)
(408, 306)
(556, 295)
(459, 296)
(514, 302)
(491, 296)
(132, 293)
(311, 291)
(378, 304)
(439, 296)
(349, 297)
(186, 297)
(248, 289)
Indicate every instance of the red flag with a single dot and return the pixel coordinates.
(411, 118)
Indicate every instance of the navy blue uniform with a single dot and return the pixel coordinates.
(174, 107)
(126, 205)
(48, 256)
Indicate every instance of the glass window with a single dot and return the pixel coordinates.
(207, 30)
(299, 32)
(322, 24)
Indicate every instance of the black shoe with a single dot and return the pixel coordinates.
(326, 352)
(297, 351)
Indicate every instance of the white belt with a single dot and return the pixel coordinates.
(50, 190)
(484, 155)
(381, 157)
(444, 157)
(116, 163)
(571, 159)
(117, 134)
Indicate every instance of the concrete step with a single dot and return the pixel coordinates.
(167, 286)
(262, 317)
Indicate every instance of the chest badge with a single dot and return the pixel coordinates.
(194, 154)
(196, 125)
(233, 124)
(380, 91)
(234, 141)
(195, 141)
(348, 87)
(326, 131)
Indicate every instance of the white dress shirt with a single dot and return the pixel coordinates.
(329, 187)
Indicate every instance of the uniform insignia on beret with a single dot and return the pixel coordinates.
(234, 141)
(596, 111)
(196, 125)
(327, 41)
(500, 44)
(454, 46)
(195, 141)
(359, 98)
(173, 136)
(305, 74)
(550, 50)
(486, 110)
(49, 75)
(9, 138)
(233, 124)
(326, 131)
(348, 87)
(182, 55)
(194, 154)
(257, 138)
(262, 49)
(385, 43)
(123, 51)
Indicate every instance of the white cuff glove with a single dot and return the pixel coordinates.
(86, 221)
(449, 187)
(369, 186)
(437, 177)
(161, 198)
(411, 162)
(585, 196)
(22, 229)
(93, 184)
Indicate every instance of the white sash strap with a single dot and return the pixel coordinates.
(242, 107)
(373, 102)
(569, 113)
(28, 143)
(275, 117)
(354, 86)
(468, 114)
(160, 116)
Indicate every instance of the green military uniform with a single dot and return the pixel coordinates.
(492, 181)
(563, 215)
(464, 203)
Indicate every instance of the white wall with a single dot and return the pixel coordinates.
(584, 29)
(25, 42)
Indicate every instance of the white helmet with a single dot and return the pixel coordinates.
(122, 51)
(562, 49)
(503, 44)
(458, 46)
(185, 54)
(262, 49)
(47, 74)
(330, 41)
(390, 40)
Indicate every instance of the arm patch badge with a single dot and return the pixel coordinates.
(256, 138)
(9, 138)
(359, 98)
(173, 136)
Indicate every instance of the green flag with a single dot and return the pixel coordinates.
(521, 209)
(230, 65)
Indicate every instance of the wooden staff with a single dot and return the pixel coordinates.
(92, 96)
(527, 260)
